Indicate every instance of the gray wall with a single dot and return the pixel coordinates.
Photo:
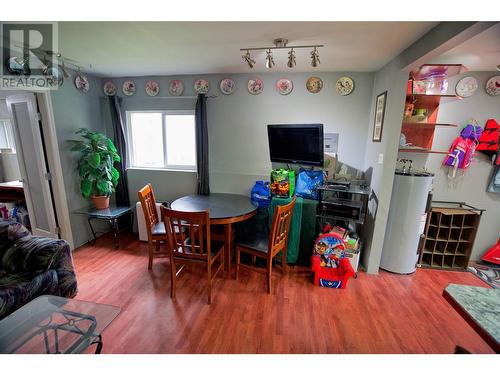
(73, 110)
(393, 80)
(238, 144)
(472, 187)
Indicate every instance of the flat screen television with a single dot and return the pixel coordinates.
(296, 143)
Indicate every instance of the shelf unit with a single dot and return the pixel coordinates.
(422, 151)
(450, 232)
(420, 134)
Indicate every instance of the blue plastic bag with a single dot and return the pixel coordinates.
(307, 184)
(260, 194)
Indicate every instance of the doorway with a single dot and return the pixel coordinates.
(39, 170)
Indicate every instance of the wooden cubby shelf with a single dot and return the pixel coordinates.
(449, 237)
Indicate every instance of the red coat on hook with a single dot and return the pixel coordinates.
(490, 139)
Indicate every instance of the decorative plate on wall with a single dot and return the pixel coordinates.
(314, 85)
(466, 87)
(201, 86)
(344, 86)
(255, 86)
(176, 87)
(81, 82)
(128, 88)
(109, 88)
(152, 88)
(493, 86)
(284, 86)
(227, 86)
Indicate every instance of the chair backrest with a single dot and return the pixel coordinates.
(148, 203)
(278, 236)
(188, 233)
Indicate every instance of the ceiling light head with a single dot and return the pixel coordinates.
(269, 59)
(246, 58)
(315, 58)
(291, 59)
(498, 67)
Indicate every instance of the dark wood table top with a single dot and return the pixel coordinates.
(222, 208)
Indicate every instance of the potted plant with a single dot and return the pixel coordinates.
(96, 168)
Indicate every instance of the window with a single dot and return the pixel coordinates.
(6, 135)
(163, 140)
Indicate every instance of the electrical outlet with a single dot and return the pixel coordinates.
(381, 158)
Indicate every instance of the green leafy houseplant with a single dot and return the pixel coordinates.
(98, 175)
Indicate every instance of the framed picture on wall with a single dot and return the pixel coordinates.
(378, 123)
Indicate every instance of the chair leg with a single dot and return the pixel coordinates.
(283, 262)
(157, 246)
(254, 259)
(209, 285)
(237, 262)
(150, 248)
(173, 277)
(269, 270)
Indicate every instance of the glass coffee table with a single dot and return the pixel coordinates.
(55, 325)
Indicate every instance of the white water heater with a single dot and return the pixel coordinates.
(406, 222)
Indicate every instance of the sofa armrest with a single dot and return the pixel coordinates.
(63, 264)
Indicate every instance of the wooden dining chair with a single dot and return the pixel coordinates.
(154, 226)
(189, 240)
(268, 247)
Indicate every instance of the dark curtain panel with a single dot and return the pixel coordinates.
(122, 198)
(202, 145)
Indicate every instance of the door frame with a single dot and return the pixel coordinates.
(44, 100)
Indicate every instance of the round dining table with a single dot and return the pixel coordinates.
(223, 209)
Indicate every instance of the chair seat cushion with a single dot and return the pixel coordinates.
(159, 229)
(256, 242)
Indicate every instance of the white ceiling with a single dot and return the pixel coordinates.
(173, 48)
(479, 53)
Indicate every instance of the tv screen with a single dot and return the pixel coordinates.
(297, 143)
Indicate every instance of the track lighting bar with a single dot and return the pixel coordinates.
(281, 43)
(286, 47)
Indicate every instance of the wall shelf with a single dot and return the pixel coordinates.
(423, 151)
(425, 107)
(427, 124)
(427, 71)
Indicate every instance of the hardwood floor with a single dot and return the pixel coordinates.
(383, 313)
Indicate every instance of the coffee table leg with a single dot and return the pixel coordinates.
(228, 246)
(98, 349)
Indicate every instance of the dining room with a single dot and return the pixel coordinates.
(231, 188)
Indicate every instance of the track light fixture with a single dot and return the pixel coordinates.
(65, 71)
(281, 43)
(269, 59)
(314, 58)
(246, 57)
(498, 67)
(291, 59)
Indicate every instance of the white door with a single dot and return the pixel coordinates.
(32, 164)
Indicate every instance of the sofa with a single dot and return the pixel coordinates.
(31, 266)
